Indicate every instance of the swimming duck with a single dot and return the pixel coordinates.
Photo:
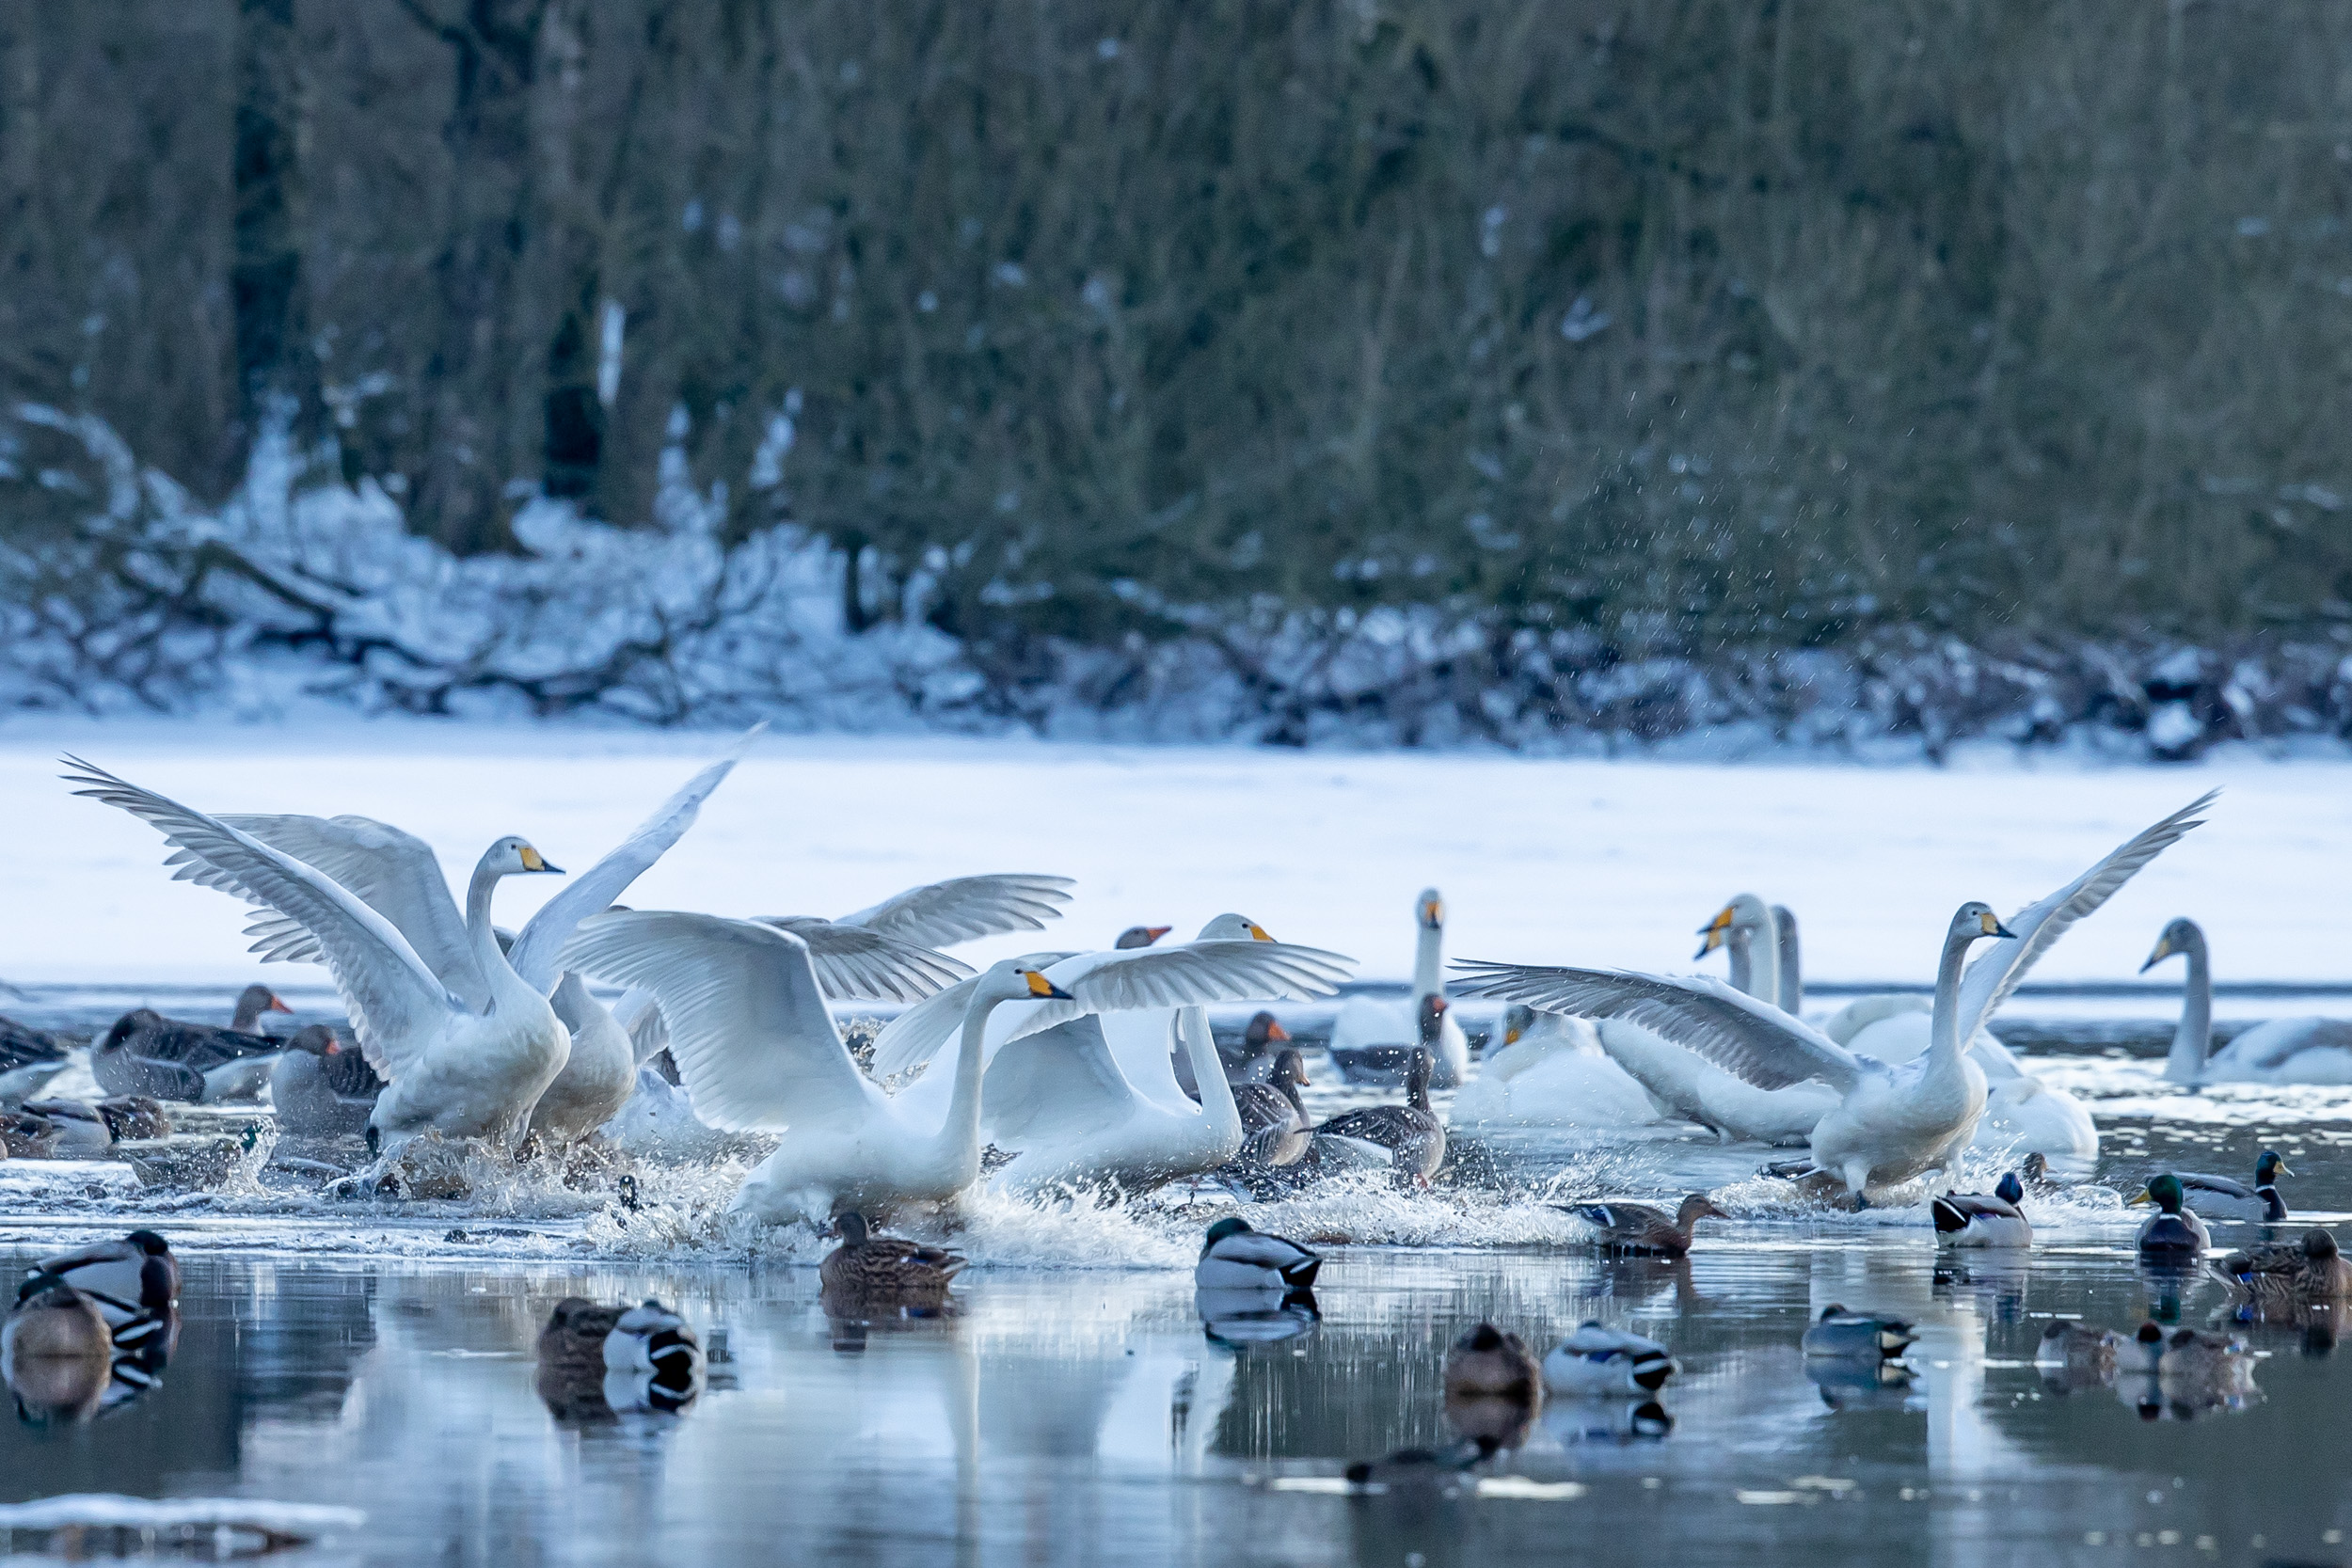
(135, 1281)
(1409, 1136)
(29, 1057)
(1597, 1360)
(2076, 1355)
(1274, 1129)
(83, 1130)
(56, 1351)
(643, 1357)
(1438, 1469)
(2201, 1370)
(1234, 1257)
(2218, 1198)
(866, 1265)
(1839, 1333)
(1973, 1219)
(2170, 1233)
(147, 1054)
(1489, 1363)
(2280, 1278)
(1636, 1230)
(321, 1087)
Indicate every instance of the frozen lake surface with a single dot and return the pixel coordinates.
(1073, 1409)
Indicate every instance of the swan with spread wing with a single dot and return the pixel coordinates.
(463, 1032)
(1891, 1123)
(1076, 1107)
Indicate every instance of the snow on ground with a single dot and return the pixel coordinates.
(1541, 860)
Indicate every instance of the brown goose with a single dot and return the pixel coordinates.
(1638, 1230)
(321, 1087)
(165, 1058)
(1261, 1044)
(1409, 1137)
(870, 1266)
(1274, 1126)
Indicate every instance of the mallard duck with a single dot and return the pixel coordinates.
(865, 1265)
(134, 1281)
(55, 1350)
(2218, 1198)
(1597, 1360)
(2201, 1370)
(1436, 1468)
(166, 1058)
(2170, 1233)
(1839, 1333)
(2076, 1355)
(1489, 1363)
(641, 1357)
(1636, 1230)
(321, 1087)
(1274, 1129)
(2037, 1181)
(1235, 1257)
(82, 1130)
(1973, 1219)
(1411, 1136)
(29, 1057)
(2280, 1278)
(1248, 1315)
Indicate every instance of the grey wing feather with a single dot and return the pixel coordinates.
(940, 914)
(856, 963)
(915, 1035)
(1192, 974)
(392, 872)
(1747, 1039)
(538, 952)
(1996, 972)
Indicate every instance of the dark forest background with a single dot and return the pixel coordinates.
(1695, 330)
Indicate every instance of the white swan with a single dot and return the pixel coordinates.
(1074, 1109)
(463, 1034)
(1891, 1122)
(1551, 1072)
(759, 1051)
(1368, 1024)
(884, 953)
(2281, 1050)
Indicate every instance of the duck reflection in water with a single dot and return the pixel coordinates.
(91, 1331)
(1237, 1317)
(599, 1363)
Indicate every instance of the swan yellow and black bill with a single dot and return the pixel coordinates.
(1258, 933)
(1433, 911)
(533, 861)
(1040, 987)
(2163, 950)
(1716, 932)
(1991, 924)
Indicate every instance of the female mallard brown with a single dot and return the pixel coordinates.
(1487, 1363)
(55, 1350)
(2277, 1279)
(1636, 1230)
(868, 1265)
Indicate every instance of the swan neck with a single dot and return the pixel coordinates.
(1740, 948)
(1943, 1043)
(2192, 1042)
(960, 1134)
(1429, 963)
(478, 925)
(1791, 973)
(1208, 1073)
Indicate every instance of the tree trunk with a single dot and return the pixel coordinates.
(277, 377)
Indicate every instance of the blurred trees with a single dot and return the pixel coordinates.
(1685, 324)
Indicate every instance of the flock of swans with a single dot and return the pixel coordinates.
(1074, 1069)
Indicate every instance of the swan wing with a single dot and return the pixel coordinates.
(1749, 1040)
(392, 872)
(1054, 1084)
(858, 963)
(392, 997)
(915, 1035)
(747, 1020)
(940, 914)
(1189, 976)
(538, 952)
(1988, 982)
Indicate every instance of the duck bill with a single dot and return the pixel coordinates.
(2140, 1196)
